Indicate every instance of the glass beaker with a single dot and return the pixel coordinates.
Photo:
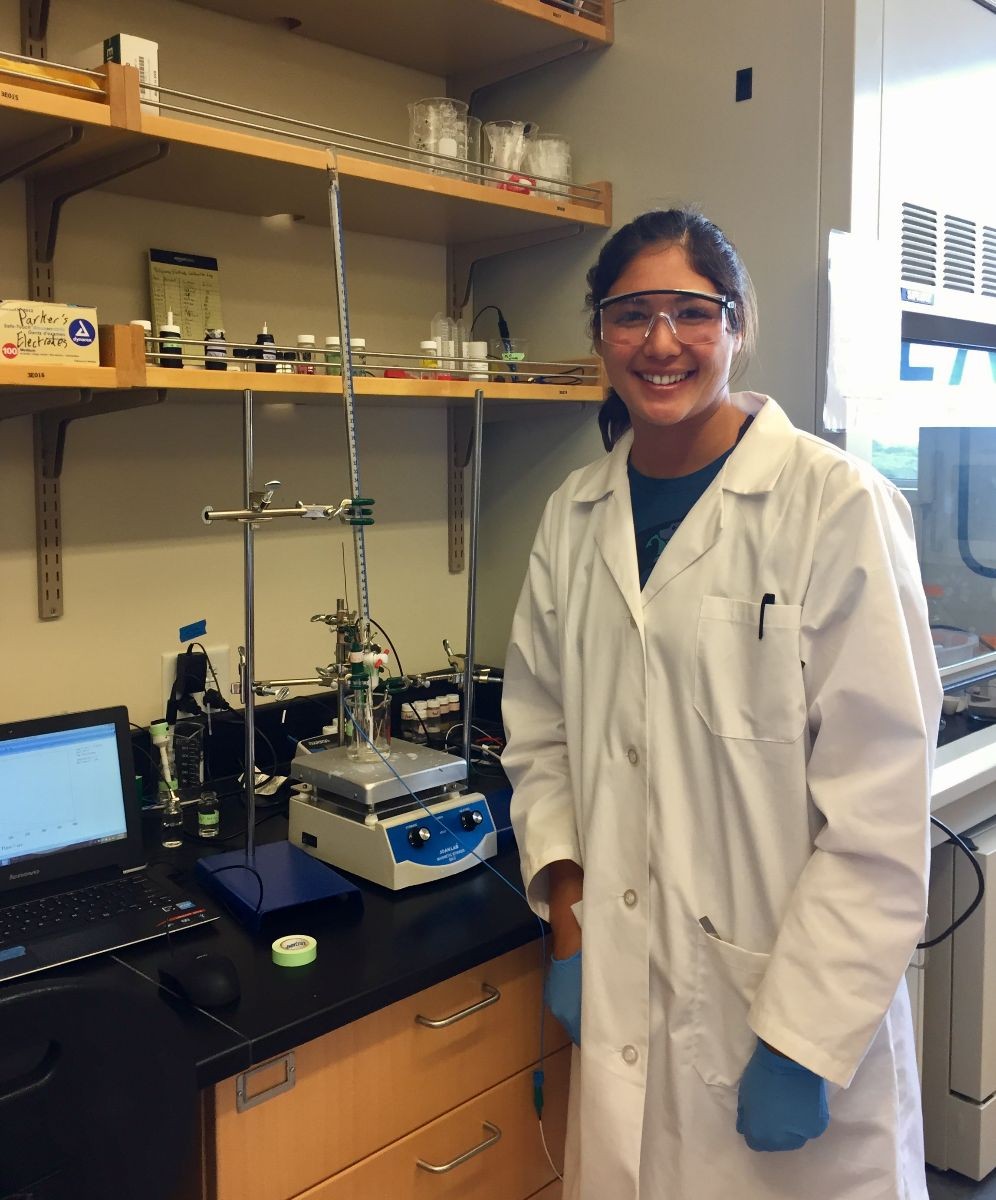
(437, 131)
(474, 145)
(506, 149)
(549, 156)
(371, 726)
(511, 351)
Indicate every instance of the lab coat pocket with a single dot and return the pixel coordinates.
(726, 981)
(746, 686)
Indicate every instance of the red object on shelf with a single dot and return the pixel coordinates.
(516, 183)
(397, 373)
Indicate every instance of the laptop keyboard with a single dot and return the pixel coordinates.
(32, 919)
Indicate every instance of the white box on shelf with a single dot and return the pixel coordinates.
(33, 332)
(130, 52)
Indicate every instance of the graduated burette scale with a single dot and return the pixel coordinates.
(360, 817)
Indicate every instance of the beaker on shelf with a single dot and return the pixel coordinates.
(437, 131)
(474, 126)
(548, 156)
(506, 149)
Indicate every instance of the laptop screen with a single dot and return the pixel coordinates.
(60, 791)
(67, 801)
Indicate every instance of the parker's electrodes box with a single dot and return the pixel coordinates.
(35, 332)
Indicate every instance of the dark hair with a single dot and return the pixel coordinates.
(710, 253)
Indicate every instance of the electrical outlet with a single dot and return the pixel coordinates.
(220, 657)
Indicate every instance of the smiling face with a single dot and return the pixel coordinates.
(662, 382)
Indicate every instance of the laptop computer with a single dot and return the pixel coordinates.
(71, 883)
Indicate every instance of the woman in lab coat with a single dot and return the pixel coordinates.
(721, 717)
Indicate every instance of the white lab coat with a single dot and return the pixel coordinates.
(777, 786)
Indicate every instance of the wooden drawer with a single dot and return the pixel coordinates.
(512, 1167)
(362, 1087)
(552, 1191)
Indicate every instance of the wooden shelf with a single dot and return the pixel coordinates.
(194, 385)
(25, 389)
(443, 37)
(28, 390)
(32, 119)
(56, 375)
(28, 114)
(260, 176)
(209, 166)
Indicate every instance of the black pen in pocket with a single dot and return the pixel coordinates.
(766, 599)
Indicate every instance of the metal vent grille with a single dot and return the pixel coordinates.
(959, 254)
(988, 262)
(919, 245)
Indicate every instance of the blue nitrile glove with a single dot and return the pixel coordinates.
(781, 1103)
(563, 994)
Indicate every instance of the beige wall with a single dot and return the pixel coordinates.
(656, 114)
(138, 563)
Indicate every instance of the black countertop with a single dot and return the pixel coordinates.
(369, 956)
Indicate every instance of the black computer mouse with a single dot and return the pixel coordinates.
(207, 980)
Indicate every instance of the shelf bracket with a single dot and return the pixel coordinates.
(467, 87)
(34, 28)
(49, 453)
(27, 155)
(47, 193)
(463, 258)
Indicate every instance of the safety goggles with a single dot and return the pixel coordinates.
(694, 318)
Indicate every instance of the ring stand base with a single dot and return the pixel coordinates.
(290, 879)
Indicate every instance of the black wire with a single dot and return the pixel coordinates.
(328, 709)
(483, 310)
(214, 673)
(231, 837)
(252, 870)
(273, 754)
(964, 847)
(135, 746)
(397, 656)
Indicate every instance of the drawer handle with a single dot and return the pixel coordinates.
(492, 997)
(495, 1133)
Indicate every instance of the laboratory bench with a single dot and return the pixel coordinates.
(321, 1081)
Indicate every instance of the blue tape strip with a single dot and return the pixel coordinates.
(189, 632)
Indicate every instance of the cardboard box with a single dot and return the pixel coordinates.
(33, 332)
(131, 52)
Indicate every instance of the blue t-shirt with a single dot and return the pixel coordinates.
(660, 505)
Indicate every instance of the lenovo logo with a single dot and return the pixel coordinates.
(24, 874)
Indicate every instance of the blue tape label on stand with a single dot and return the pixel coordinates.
(12, 952)
(189, 632)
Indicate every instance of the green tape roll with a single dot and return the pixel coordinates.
(294, 950)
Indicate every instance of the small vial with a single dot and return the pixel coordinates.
(358, 353)
(171, 822)
(170, 348)
(432, 720)
(476, 359)
(305, 364)
(146, 327)
(429, 362)
(265, 353)
(421, 711)
(333, 356)
(208, 815)
(409, 723)
(285, 362)
(215, 350)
